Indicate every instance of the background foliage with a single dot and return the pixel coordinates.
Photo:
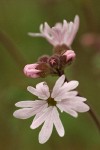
(17, 18)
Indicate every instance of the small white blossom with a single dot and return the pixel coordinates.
(45, 109)
(59, 34)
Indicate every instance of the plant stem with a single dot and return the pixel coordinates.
(91, 111)
(94, 116)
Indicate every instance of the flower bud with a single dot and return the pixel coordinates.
(67, 57)
(54, 61)
(31, 71)
(70, 55)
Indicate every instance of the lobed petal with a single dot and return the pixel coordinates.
(65, 95)
(30, 104)
(57, 122)
(67, 109)
(41, 91)
(80, 107)
(74, 30)
(47, 128)
(41, 118)
(25, 113)
(70, 85)
(57, 86)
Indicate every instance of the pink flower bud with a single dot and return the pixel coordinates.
(70, 55)
(31, 71)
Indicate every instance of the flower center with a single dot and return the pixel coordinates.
(51, 102)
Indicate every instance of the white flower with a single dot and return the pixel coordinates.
(60, 33)
(63, 96)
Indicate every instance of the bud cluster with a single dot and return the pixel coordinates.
(49, 64)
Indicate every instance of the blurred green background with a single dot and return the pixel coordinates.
(17, 18)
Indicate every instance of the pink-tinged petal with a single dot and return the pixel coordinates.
(51, 40)
(41, 119)
(65, 89)
(75, 99)
(57, 86)
(71, 85)
(74, 30)
(66, 95)
(30, 104)
(67, 110)
(60, 33)
(80, 107)
(65, 26)
(32, 90)
(24, 113)
(31, 71)
(57, 122)
(47, 128)
(40, 113)
(70, 54)
(75, 104)
(43, 89)
(69, 31)
(47, 28)
(57, 35)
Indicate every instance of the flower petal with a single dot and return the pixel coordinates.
(70, 85)
(47, 29)
(66, 95)
(30, 104)
(32, 90)
(57, 86)
(47, 128)
(75, 99)
(66, 88)
(80, 107)
(41, 119)
(25, 113)
(42, 90)
(74, 30)
(67, 110)
(57, 122)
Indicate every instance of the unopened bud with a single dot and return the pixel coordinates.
(67, 57)
(31, 71)
(70, 55)
(54, 61)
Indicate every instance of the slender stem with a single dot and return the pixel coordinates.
(94, 116)
(91, 111)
